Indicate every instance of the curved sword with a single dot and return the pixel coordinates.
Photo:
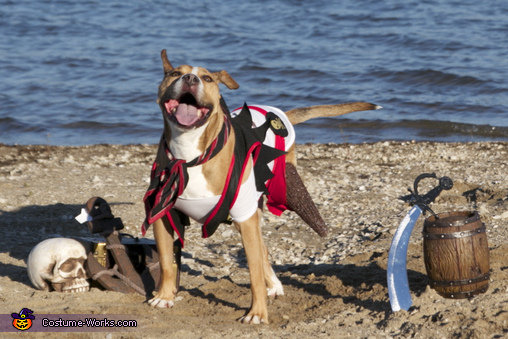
(398, 286)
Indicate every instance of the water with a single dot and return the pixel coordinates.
(86, 72)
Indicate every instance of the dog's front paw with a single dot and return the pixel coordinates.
(162, 300)
(255, 316)
(252, 319)
(161, 303)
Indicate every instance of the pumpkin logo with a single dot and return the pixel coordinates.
(23, 320)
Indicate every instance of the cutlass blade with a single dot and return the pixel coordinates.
(398, 286)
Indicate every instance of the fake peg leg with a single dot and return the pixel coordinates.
(300, 201)
(107, 278)
(123, 261)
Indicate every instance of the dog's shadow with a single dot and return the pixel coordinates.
(358, 280)
(366, 286)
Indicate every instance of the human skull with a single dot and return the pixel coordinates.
(58, 262)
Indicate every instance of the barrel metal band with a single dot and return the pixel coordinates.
(463, 295)
(463, 282)
(454, 235)
(444, 219)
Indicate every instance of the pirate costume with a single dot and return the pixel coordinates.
(262, 133)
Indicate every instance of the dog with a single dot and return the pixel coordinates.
(199, 150)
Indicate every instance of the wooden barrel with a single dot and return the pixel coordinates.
(456, 254)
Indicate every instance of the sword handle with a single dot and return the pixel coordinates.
(445, 183)
(420, 178)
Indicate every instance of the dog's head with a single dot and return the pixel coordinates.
(189, 96)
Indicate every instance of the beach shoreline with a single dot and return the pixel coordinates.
(335, 286)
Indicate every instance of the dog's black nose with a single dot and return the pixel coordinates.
(190, 79)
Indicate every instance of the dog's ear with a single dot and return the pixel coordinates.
(165, 62)
(226, 79)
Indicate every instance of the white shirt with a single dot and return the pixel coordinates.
(247, 200)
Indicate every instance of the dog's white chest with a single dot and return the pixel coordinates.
(186, 146)
(245, 205)
(197, 187)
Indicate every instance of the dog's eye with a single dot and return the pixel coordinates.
(207, 78)
(175, 74)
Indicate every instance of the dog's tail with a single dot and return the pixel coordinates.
(298, 115)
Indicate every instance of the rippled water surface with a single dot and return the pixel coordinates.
(86, 72)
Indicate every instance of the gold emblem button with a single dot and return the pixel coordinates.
(277, 124)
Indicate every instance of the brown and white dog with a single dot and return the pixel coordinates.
(190, 101)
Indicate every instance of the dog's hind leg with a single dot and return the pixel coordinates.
(273, 284)
(163, 233)
(254, 249)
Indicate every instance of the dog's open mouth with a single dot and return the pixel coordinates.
(186, 111)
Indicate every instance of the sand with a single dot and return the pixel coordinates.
(334, 286)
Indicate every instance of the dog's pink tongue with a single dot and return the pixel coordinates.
(186, 114)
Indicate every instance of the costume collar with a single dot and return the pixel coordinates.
(215, 147)
(169, 176)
